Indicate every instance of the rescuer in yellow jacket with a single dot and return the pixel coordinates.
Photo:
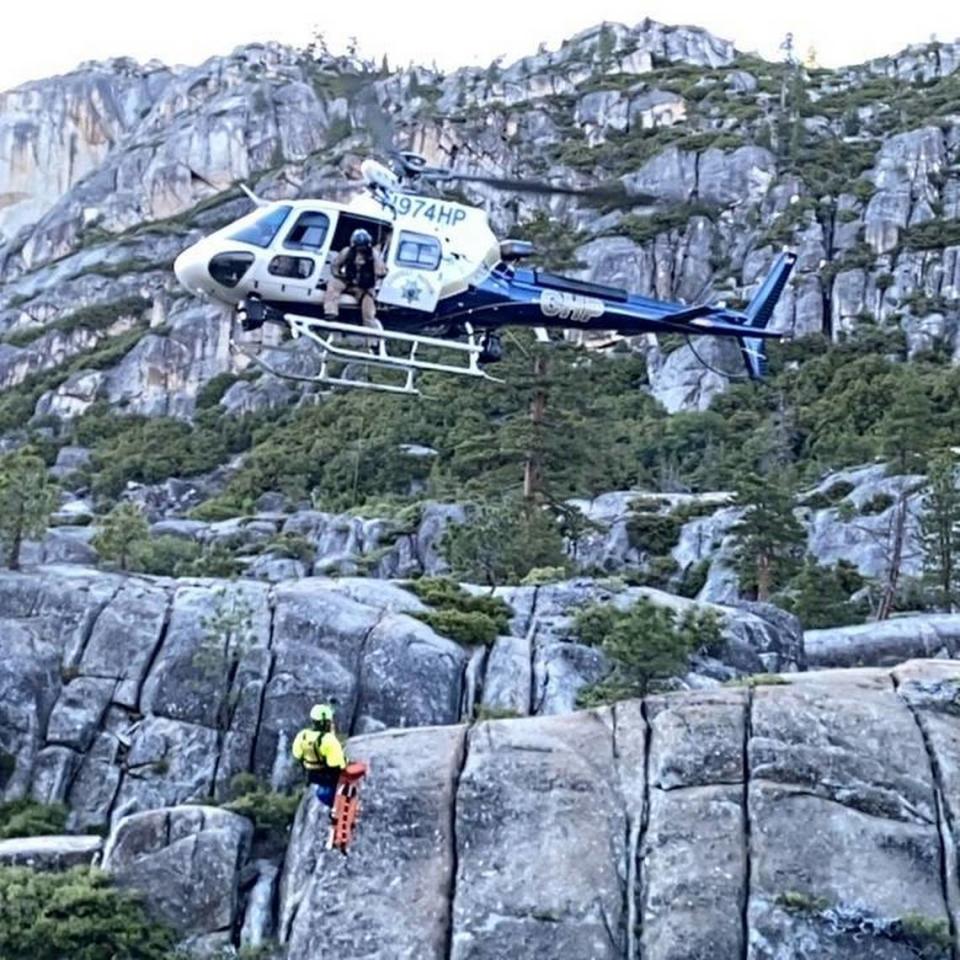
(320, 752)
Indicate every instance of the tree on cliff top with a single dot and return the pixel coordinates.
(27, 497)
(769, 538)
(644, 644)
(123, 531)
(502, 542)
(940, 530)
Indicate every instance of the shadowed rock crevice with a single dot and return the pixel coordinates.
(359, 672)
(73, 659)
(946, 832)
(271, 663)
(644, 822)
(460, 761)
(746, 826)
(531, 634)
(156, 651)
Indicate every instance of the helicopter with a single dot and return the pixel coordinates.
(450, 287)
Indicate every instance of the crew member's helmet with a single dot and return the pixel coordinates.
(321, 714)
(361, 238)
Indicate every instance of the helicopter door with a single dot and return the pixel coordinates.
(296, 266)
(413, 272)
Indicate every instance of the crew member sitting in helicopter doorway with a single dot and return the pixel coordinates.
(320, 753)
(356, 270)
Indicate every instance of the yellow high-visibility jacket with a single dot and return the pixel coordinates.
(317, 750)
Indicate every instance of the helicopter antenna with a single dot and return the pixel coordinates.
(258, 201)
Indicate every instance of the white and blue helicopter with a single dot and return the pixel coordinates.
(450, 285)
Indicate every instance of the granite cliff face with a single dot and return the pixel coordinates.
(810, 819)
(110, 708)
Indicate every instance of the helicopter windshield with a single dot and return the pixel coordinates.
(261, 231)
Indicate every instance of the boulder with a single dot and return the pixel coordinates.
(51, 853)
(530, 880)
(405, 843)
(884, 644)
(185, 861)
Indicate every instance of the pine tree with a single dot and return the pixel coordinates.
(27, 497)
(123, 530)
(907, 429)
(769, 539)
(644, 643)
(502, 542)
(820, 595)
(940, 530)
(606, 44)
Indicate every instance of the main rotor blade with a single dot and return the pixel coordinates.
(602, 192)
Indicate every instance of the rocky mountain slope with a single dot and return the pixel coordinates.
(856, 168)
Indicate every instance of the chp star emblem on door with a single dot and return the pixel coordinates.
(411, 291)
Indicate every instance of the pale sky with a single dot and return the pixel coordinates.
(40, 38)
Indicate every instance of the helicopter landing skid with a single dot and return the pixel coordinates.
(326, 379)
(324, 333)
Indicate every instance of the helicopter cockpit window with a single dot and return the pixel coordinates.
(309, 232)
(262, 231)
(418, 250)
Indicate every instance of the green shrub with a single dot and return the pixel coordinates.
(541, 575)
(472, 629)
(502, 542)
(878, 503)
(658, 573)
(932, 235)
(17, 403)
(122, 535)
(797, 902)
(148, 450)
(448, 594)
(76, 914)
(494, 713)
(643, 229)
(291, 545)
(210, 394)
(224, 507)
(98, 317)
(820, 595)
(656, 533)
(27, 818)
(694, 509)
(758, 680)
(930, 935)
(824, 499)
(694, 579)
(166, 556)
(644, 643)
(272, 813)
(215, 560)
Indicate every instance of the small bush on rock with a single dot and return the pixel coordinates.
(26, 818)
(472, 629)
(272, 813)
(645, 643)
